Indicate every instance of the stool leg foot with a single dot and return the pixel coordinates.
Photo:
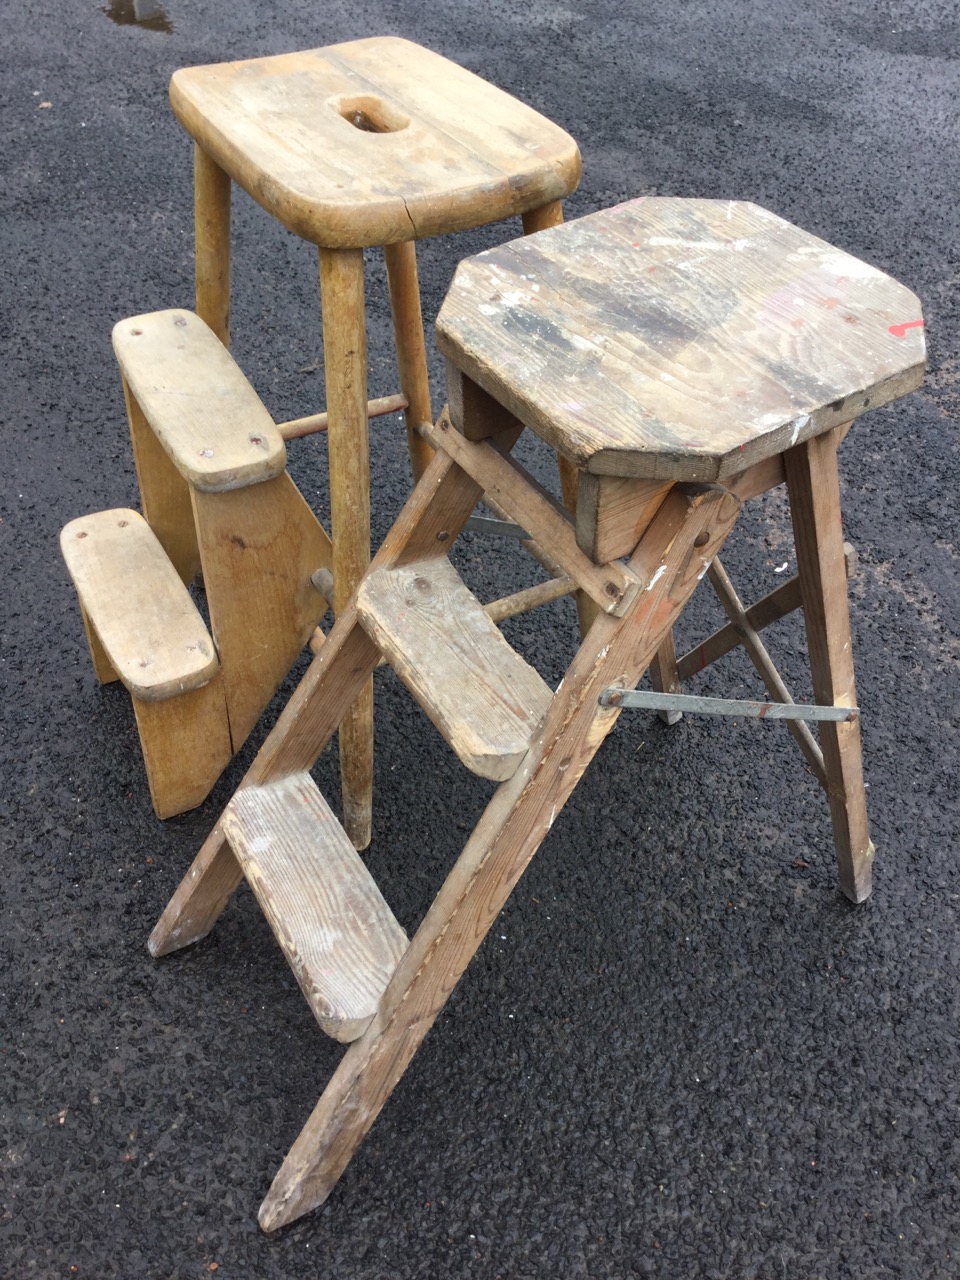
(814, 487)
(345, 363)
(665, 677)
(516, 821)
(401, 260)
(211, 205)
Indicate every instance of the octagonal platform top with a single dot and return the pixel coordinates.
(374, 141)
(680, 339)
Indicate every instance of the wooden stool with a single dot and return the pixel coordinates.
(684, 355)
(373, 142)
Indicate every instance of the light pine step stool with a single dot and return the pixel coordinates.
(216, 495)
(374, 142)
(655, 347)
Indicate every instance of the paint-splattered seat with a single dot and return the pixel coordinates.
(680, 339)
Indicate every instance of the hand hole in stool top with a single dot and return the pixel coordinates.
(370, 114)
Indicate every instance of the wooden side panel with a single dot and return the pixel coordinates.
(473, 411)
(613, 513)
(259, 547)
(164, 494)
(186, 746)
(482, 696)
(338, 934)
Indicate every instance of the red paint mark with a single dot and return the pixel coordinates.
(829, 302)
(703, 655)
(900, 330)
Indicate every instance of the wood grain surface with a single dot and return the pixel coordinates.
(337, 932)
(374, 141)
(150, 629)
(482, 696)
(205, 413)
(680, 339)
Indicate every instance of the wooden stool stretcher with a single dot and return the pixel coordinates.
(564, 334)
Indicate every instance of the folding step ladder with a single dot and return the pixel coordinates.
(567, 332)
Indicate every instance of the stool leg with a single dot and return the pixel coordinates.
(813, 485)
(345, 365)
(551, 215)
(509, 833)
(401, 260)
(211, 212)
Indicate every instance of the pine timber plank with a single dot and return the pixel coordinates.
(612, 513)
(481, 695)
(205, 413)
(337, 932)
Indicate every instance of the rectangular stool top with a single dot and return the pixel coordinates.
(680, 339)
(374, 141)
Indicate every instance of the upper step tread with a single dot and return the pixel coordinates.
(340, 937)
(203, 410)
(151, 630)
(482, 696)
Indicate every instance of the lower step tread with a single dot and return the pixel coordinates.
(482, 696)
(150, 628)
(340, 938)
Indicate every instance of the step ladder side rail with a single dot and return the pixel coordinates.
(440, 505)
(508, 835)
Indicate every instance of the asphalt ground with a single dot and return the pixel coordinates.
(680, 1053)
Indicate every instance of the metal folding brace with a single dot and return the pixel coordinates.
(647, 699)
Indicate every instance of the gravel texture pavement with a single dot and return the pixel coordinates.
(680, 1053)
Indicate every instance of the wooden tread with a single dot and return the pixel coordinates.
(337, 932)
(482, 696)
(202, 409)
(134, 599)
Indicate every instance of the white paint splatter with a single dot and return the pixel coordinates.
(798, 425)
(656, 577)
(487, 310)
